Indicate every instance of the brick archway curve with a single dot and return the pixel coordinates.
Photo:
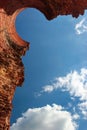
(12, 47)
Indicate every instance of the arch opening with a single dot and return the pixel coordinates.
(30, 22)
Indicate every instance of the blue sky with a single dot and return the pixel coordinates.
(54, 94)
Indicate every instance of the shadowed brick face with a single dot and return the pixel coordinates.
(12, 47)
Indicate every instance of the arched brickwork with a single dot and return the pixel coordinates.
(12, 47)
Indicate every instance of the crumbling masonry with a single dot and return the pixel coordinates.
(12, 47)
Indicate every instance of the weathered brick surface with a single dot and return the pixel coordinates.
(12, 47)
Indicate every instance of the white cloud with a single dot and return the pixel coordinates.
(81, 27)
(76, 116)
(48, 88)
(74, 82)
(83, 107)
(45, 118)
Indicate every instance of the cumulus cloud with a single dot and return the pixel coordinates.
(74, 82)
(46, 118)
(83, 107)
(76, 116)
(81, 27)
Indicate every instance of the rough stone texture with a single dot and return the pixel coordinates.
(12, 47)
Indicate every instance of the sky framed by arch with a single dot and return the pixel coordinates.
(54, 94)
